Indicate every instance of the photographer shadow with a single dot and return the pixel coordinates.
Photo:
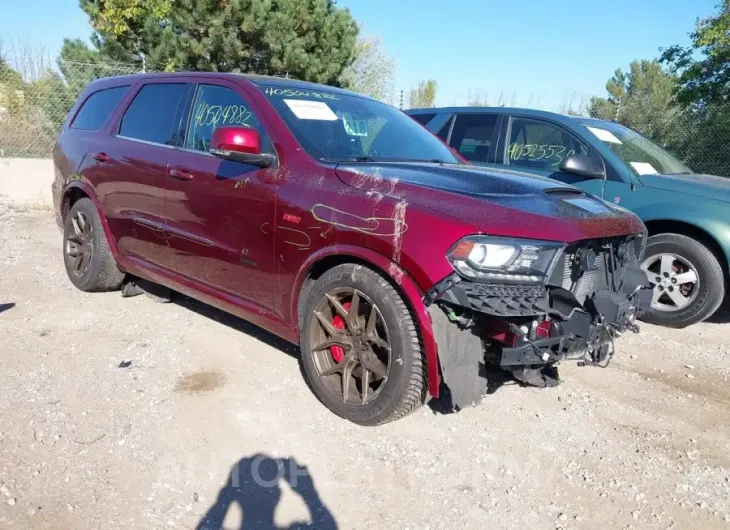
(254, 484)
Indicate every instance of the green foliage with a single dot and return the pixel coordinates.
(312, 40)
(424, 95)
(704, 67)
(373, 72)
(117, 17)
(642, 98)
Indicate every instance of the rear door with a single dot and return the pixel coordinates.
(220, 213)
(132, 166)
(474, 136)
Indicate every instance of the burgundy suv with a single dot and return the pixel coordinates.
(342, 225)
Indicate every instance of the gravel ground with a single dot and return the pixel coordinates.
(126, 413)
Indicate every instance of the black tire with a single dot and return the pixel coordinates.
(101, 273)
(405, 387)
(711, 286)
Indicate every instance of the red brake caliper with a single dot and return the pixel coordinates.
(337, 352)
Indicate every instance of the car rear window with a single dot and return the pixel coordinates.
(152, 114)
(98, 107)
(423, 119)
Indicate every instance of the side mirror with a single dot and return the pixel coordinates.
(581, 165)
(240, 144)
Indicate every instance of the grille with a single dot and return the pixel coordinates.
(506, 300)
(584, 285)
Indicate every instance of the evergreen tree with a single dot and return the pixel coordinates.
(312, 40)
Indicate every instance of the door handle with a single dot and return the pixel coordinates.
(101, 157)
(181, 174)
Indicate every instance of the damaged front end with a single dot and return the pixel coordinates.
(526, 305)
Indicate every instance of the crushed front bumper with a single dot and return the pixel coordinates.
(528, 328)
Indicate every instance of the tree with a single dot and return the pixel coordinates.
(312, 40)
(704, 67)
(478, 99)
(424, 95)
(121, 17)
(373, 71)
(642, 98)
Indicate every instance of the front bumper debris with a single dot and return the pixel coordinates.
(527, 329)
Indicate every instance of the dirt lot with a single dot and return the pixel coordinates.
(207, 403)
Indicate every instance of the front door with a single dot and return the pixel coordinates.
(220, 214)
(539, 147)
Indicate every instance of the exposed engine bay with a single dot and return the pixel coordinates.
(592, 292)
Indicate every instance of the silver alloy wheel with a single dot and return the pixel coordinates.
(675, 281)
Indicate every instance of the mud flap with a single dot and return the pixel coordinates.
(460, 355)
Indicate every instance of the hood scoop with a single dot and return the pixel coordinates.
(565, 193)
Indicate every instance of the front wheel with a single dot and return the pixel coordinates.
(360, 348)
(688, 280)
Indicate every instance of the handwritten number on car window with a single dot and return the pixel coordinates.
(207, 115)
(552, 153)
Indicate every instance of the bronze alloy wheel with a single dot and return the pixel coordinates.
(350, 345)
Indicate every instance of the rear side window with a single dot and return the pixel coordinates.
(423, 119)
(152, 114)
(472, 136)
(98, 107)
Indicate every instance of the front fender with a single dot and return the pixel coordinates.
(708, 216)
(408, 288)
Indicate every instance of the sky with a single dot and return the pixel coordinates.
(536, 53)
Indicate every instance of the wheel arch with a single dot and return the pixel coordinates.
(322, 261)
(77, 190)
(672, 226)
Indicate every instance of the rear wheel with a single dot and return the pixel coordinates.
(89, 262)
(688, 280)
(360, 348)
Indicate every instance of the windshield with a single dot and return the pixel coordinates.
(332, 126)
(643, 156)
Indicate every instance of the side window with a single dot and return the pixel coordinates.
(540, 145)
(98, 107)
(472, 136)
(215, 106)
(423, 119)
(444, 130)
(152, 114)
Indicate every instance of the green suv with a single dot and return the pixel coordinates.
(687, 215)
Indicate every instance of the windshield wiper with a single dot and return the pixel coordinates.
(349, 159)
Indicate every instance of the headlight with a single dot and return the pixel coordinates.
(505, 260)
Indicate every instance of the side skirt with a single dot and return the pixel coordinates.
(225, 302)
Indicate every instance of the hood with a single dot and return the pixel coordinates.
(708, 186)
(502, 202)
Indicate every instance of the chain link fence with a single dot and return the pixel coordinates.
(32, 112)
(699, 137)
